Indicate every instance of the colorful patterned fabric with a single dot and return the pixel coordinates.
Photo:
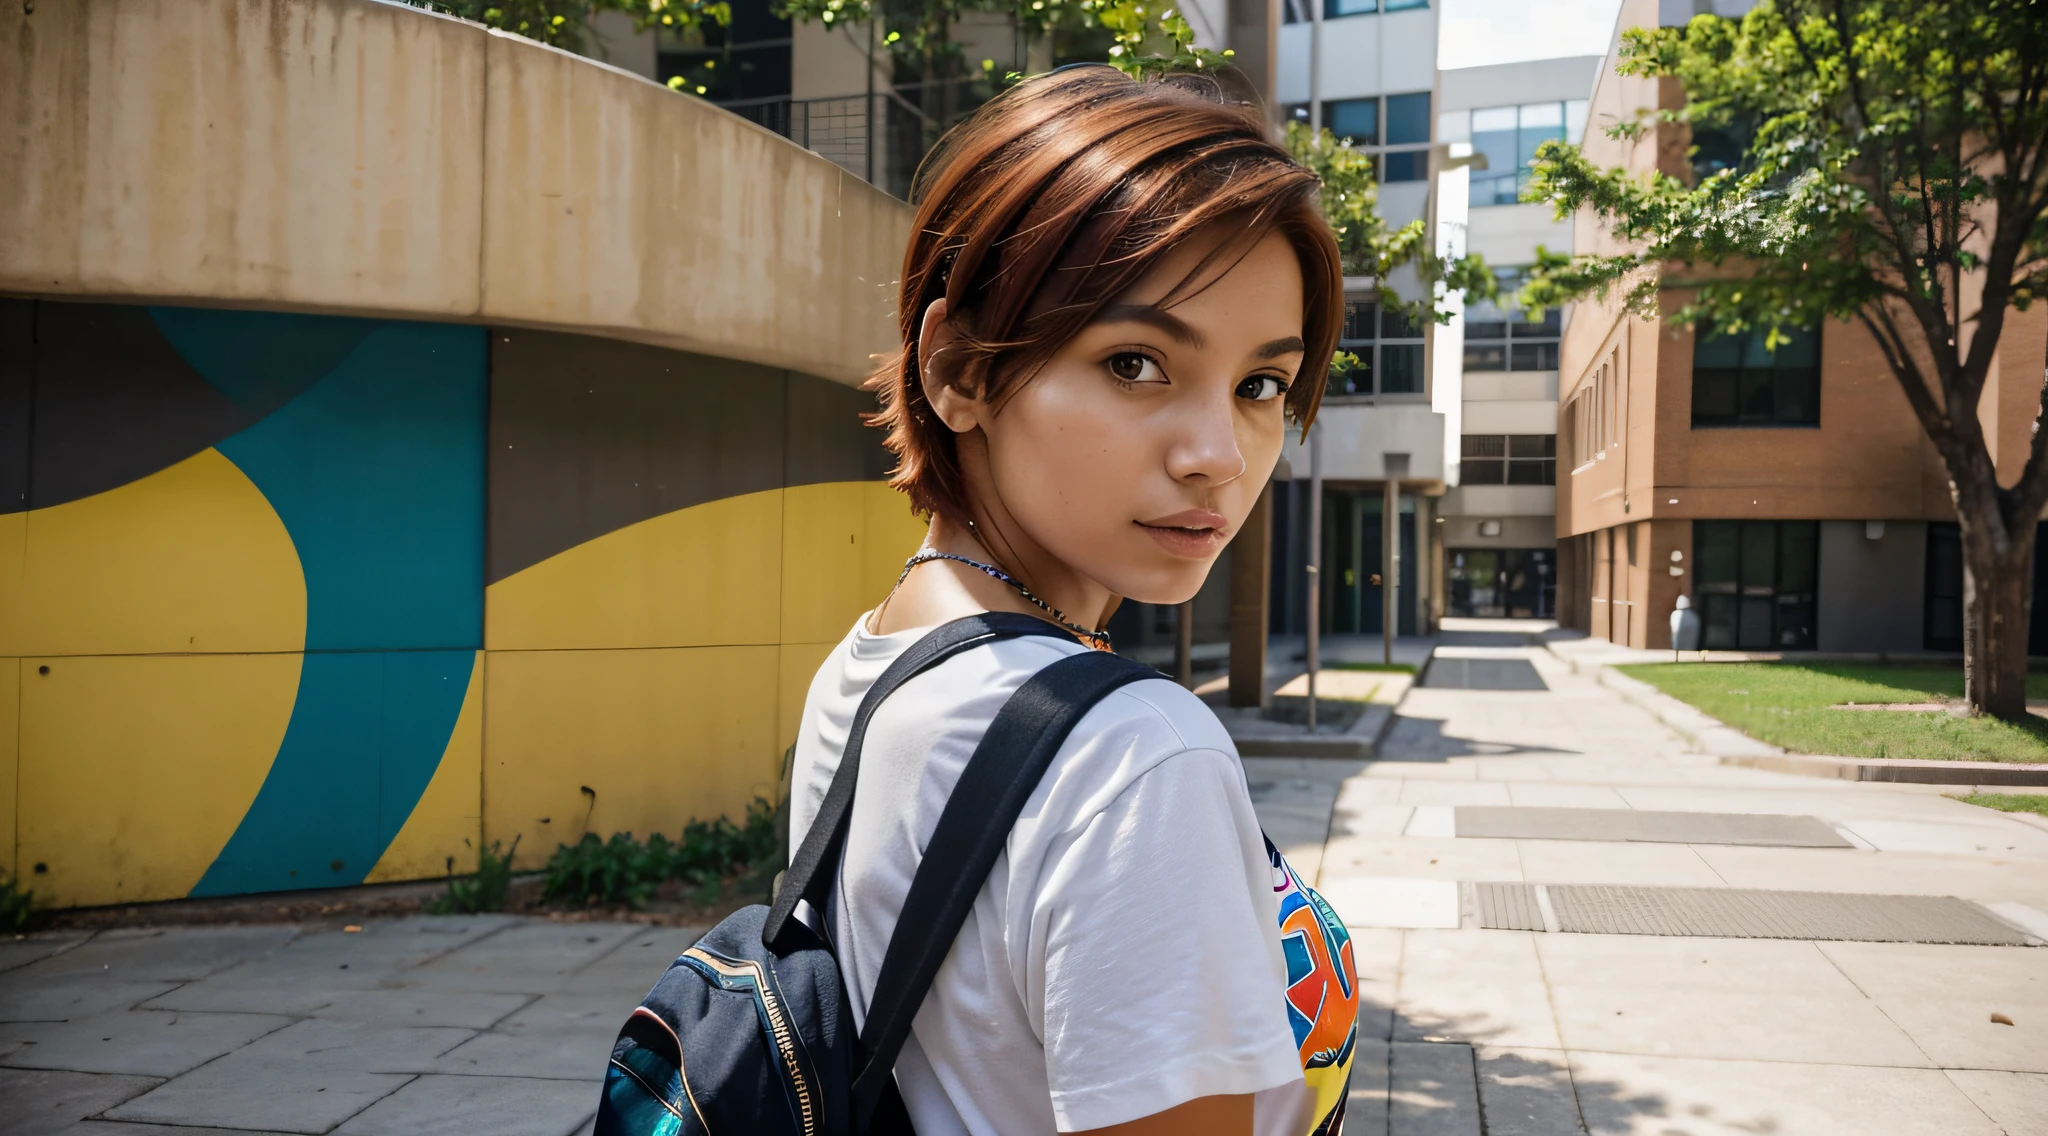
(1322, 991)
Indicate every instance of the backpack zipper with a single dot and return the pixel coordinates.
(778, 1028)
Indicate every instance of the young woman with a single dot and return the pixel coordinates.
(1117, 297)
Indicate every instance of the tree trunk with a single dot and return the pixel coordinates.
(1998, 587)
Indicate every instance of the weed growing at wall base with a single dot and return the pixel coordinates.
(487, 890)
(15, 904)
(623, 870)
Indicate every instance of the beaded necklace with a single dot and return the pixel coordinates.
(926, 555)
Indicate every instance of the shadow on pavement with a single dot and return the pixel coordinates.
(1449, 1077)
(1423, 739)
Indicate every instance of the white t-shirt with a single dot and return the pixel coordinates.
(1125, 955)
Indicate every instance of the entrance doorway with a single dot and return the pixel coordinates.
(1519, 583)
(1351, 558)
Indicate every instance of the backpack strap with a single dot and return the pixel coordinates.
(972, 831)
(816, 863)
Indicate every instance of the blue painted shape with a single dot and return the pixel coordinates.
(260, 360)
(377, 471)
(365, 737)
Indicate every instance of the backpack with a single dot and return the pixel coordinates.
(750, 1030)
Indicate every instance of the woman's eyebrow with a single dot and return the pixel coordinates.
(1286, 345)
(1160, 318)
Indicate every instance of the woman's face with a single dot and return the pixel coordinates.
(1138, 451)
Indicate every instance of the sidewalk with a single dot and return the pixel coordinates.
(491, 1024)
(1539, 1032)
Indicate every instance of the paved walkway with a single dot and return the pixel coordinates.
(490, 1024)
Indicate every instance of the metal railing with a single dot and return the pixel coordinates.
(880, 137)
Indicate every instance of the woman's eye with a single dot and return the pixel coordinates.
(1132, 367)
(1260, 388)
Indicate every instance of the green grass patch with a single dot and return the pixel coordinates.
(1395, 668)
(1788, 705)
(2010, 802)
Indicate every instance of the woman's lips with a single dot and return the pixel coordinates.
(1195, 533)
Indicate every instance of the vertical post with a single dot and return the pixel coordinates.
(1390, 567)
(1251, 589)
(868, 117)
(1315, 555)
(1184, 645)
(1315, 122)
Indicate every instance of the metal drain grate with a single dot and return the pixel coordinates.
(1733, 913)
(1644, 825)
(1482, 674)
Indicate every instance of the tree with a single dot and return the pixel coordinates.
(1894, 176)
(566, 23)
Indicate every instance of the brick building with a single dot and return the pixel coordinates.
(1791, 494)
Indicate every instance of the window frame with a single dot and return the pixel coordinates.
(1710, 383)
(1541, 465)
(1372, 351)
(1548, 332)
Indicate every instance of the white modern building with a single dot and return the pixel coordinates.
(1496, 524)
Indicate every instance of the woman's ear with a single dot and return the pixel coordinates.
(939, 369)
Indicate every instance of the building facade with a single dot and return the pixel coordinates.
(1497, 522)
(1790, 493)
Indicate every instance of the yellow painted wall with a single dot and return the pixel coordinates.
(10, 754)
(189, 559)
(144, 766)
(664, 666)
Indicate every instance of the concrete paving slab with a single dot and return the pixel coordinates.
(382, 946)
(1482, 987)
(1527, 1092)
(1952, 837)
(1647, 826)
(303, 1097)
(165, 954)
(1885, 873)
(1652, 865)
(1369, 901)
(461, 1106)
(43, 1102)
(1708, 966)
(2016, 1102)
(1929, 971)
(1731, 1024)
(21, 950)
(1433, 1090)
(1366, 1109)
(420, 1005)
(1420, 857)
(118, 1128)
(1664, 1096)
(1540, 794)
(1441, 793)
(559, 1037)
(526, 958)
(1373, 820)
(631, 969)
(69, 997)
(1959, 1033)
(1440, 821)
(1376, 951)
(153, 1043)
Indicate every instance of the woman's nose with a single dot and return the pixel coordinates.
(1205, 447)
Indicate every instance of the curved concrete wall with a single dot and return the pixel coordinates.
(365, 158)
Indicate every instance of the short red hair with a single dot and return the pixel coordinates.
(1054, 199)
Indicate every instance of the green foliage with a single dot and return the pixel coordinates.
(1351, 204)
(485, 891)
(1793, 705)
(566, 23)
(15, 904)
(626, 871)
(2036, 803)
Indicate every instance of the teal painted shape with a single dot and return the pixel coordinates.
(260, 360)
(377, 472)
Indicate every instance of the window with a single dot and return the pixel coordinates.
(1354, 120)
(1504, 338)
(1736, 381)
(1389, 351)
(1405, 5)
(1509, 459)
(1508, 137)
(1756, 582)
(1337, 9)
(1294, 12)
(1408, 119)
(1295, 112)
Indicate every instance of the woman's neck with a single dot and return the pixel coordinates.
(941, 590)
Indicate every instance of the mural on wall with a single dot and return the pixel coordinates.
(253, 635)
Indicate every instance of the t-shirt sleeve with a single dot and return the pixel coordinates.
(1162, 979)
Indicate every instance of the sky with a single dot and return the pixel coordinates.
(1474, 33)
